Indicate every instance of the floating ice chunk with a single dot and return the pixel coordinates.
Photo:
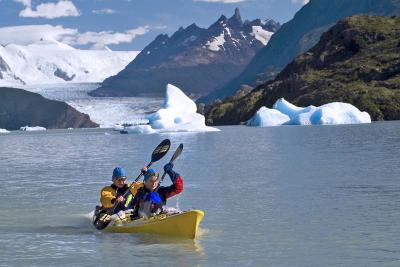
(118, 127)
(289, 109)
(177, 115)
(31, 129)
(339, 113)
(4, 131)
(331, 113)
(139, 129)
(268, 117)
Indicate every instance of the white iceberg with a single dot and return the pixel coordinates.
(31, 129)
(289, 109)
(339, 113)
(139, 129)
(328, 114)
(3, 131)
(179, 114)
(268, 117)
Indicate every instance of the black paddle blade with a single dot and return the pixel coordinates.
(178, 151)
(161, 150)
(103, 219)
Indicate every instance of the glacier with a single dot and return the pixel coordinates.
(178, 114)
(108, 112)
(285, 113)
(60, 63)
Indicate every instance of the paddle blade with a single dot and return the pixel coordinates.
(161, 150)
(102, 219)
(178, 151)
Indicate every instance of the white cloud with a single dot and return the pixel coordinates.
(304, 2)
(24, 35)
(63, 8)
(29, 34)
(104, 11)
(221, 1)
(99, 40)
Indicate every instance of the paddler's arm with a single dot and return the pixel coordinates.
(107, 197)
(177, 182)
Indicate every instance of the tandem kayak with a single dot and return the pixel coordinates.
(183, 224)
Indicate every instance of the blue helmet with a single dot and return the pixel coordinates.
(150, 173)
(118, 172)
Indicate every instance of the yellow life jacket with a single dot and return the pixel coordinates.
(108, 194)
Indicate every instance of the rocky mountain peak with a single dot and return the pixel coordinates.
(220, 51)
(236, 18)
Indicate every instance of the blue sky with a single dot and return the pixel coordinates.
(130, 24)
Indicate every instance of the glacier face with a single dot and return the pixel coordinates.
(51, 62)
(106, 111)
(284, 112)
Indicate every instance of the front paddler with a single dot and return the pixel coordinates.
(109, 195)
(151, 197)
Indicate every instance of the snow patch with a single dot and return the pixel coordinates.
(179, 114)
(328, 114)
(216, 43)
(261, 35)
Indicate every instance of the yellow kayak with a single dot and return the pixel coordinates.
(184, 224)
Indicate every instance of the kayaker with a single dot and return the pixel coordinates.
(150, 198)
(110, 194)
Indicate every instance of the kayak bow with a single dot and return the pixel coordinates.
(184, 224)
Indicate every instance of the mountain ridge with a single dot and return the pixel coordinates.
(20, 108)
(357, 61)
(195, 59)
(291, 39)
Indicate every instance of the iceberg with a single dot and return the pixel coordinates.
(289, 109)
(328, 114)
(31, 129)
(179, 114)
(3, 131)
(268, 117)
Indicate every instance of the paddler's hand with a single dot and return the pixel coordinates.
(168, 167)
(120, 199)
(144, 170)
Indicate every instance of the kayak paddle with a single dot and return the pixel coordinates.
(103, 218)
(178, 151)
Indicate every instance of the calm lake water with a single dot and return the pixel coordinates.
(284, 196)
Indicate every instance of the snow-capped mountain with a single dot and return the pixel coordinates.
(193, 58)
(48, 62)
